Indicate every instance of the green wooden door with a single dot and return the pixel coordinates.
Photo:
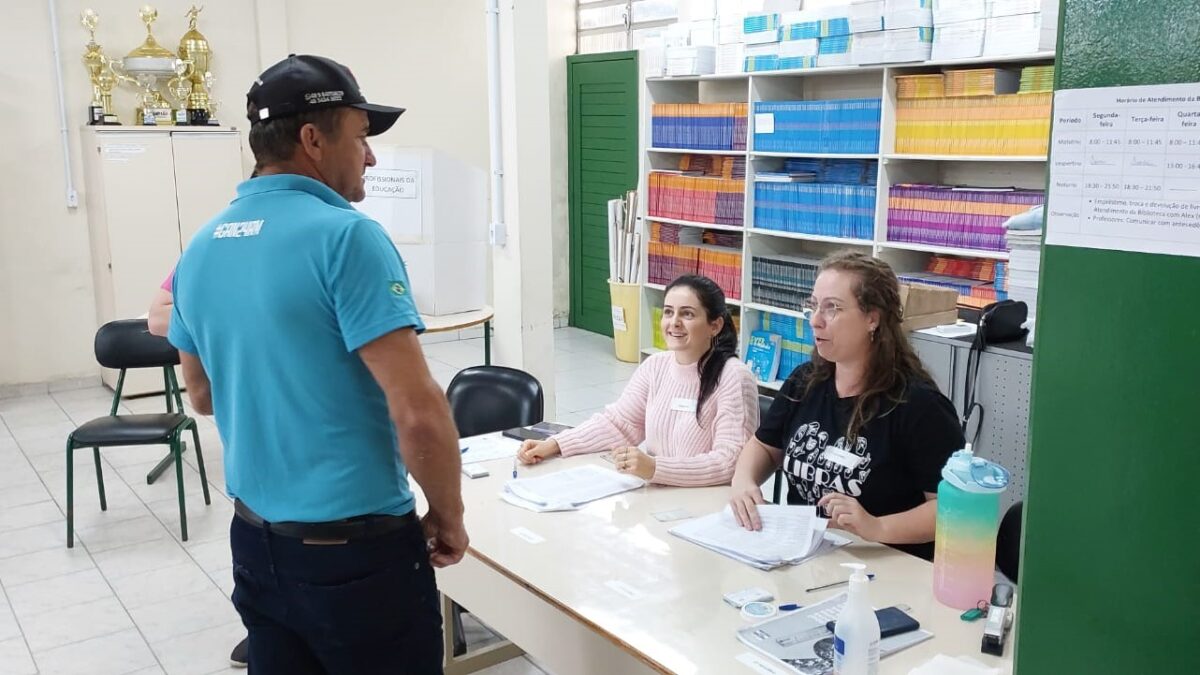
(1110, 574)
(602, 113)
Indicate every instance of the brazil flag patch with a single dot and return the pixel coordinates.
(397, 288)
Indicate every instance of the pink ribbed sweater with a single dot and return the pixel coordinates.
(686, 453)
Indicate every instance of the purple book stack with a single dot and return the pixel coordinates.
(958, 217)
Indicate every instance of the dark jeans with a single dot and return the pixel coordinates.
(364, 607)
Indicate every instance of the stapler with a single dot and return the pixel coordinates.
(999, 620)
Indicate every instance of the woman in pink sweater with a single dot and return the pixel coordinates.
(695, 406)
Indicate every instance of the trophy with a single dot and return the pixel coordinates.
(196, 53)
(149, 66)
(100, 71)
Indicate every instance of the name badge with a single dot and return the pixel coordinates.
(687, 405)
(842, 457)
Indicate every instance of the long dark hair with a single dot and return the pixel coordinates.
(894, 364)
(724, 344)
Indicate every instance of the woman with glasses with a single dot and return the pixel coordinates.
(862, 430)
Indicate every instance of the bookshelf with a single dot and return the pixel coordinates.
(843, 82)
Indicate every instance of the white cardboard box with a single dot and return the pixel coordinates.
(434, 208)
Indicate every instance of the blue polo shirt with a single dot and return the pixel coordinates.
(275, 295)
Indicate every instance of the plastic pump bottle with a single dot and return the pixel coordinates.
(856, 633)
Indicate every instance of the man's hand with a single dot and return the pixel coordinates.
(447, 539)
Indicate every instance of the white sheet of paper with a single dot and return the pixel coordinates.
(1125, 169)
(488, 447)
(764, 123)
(565, 490)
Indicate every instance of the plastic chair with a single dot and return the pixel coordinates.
(484, 399)
(123, 345)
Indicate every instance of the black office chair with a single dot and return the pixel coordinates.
(484, 399)
(123, 345)
(764, 404)
(1008, 542)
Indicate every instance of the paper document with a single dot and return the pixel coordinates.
(568, 490)
(789, 536)
(487, 447)
(801, 643)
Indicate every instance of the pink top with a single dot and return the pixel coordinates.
(166, 284)
(658, 407)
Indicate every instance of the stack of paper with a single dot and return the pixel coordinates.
(487, 447)
(730, 58)
(1024, 265)
(907, 44)
(907, 14)
(1020, 34)
(789, 536)
(699, 60)
(868, 47)
(961, 40)
(946, 12)
(866, 16)
(567, 490)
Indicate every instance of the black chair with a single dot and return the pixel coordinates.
(764, 404)
(123, 345)
(485, 399)
(1008, 542)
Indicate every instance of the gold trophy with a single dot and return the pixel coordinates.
(194, 50)
(100, 71)
(150, 66)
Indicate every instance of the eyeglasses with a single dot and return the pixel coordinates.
(828, 309)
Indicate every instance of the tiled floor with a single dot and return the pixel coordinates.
(131, 598)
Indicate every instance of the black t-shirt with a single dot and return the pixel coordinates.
(897, 458)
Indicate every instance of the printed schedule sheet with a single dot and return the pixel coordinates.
(1125, 169)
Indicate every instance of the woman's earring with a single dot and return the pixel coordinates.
(872, 334)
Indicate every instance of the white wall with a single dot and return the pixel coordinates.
(426, 55)
(47, 310)
(561, 44)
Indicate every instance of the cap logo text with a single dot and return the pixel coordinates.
(314, 97)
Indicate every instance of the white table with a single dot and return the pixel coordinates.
(567, 600)
(443, 323)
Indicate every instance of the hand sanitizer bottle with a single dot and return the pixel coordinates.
(856, 633)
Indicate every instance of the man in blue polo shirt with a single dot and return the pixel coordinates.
(296, 326)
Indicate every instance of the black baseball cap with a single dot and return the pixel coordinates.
(302, 83)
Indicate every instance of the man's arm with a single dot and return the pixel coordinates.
(196, 380)
(159, 317)
(428, 438)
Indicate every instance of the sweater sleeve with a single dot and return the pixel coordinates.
(736, 397)
(620, 424)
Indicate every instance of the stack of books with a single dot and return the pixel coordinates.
(959, 28)
(1037, 79)
(921, 86)
(942, 215)
(825, 209)
(724, 266)
(843, 125)
(782, 281)
(1007, 124)
(671, 233)
(691, 60)
(796, 340)
(981, 82)
(908, 44)
(667, 262)
(854, 171)
(1020, 27)
(699, 126)
(696, 198)
(721, 166)
(907, 14)
(977, 281)
(723, 239)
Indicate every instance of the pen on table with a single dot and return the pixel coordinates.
(790, 607)
(514, 466)
(834, 584)
(463, 450)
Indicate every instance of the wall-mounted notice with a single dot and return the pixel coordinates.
(1125, 169)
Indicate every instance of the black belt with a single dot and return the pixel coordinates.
(359, 527)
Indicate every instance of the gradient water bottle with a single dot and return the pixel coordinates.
(968, 515)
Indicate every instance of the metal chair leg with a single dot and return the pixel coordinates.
(99, 478)
(200, 463)
(460, 635)
(175, 452)
(71, 491)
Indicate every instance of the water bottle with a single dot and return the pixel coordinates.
(968, 515)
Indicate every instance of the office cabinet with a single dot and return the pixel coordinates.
(148, 189)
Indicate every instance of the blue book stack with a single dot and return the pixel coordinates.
(825, 209)
(837, 126)
(797, 340)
